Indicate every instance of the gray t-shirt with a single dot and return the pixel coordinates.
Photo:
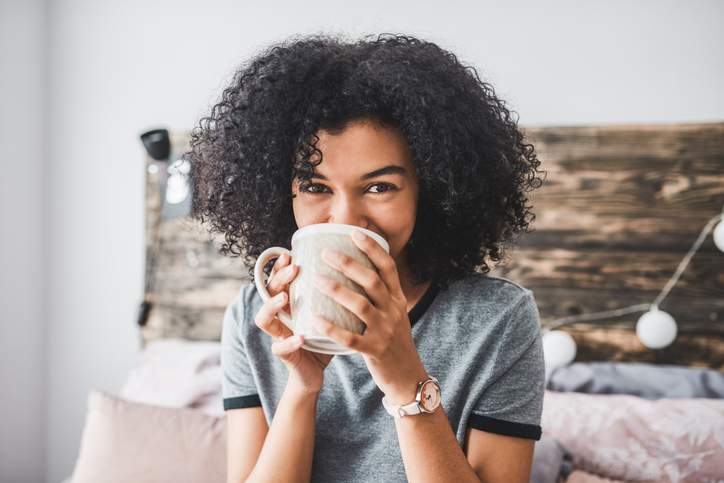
(480, 337)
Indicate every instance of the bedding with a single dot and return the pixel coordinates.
(169, 410)
(581, 476)
(552, 462)
(649, 381)
(177, 373)
(634, 439)
(130, 441)
(172, 374)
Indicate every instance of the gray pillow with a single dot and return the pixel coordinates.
(649, 381)
(552, 462)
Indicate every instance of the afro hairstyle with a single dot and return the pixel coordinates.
(473, 164)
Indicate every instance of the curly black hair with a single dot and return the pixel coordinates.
(473, 165)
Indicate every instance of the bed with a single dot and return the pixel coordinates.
(620, 207)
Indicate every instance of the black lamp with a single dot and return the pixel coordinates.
(158, 147)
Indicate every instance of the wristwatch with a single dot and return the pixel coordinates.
(426, 400)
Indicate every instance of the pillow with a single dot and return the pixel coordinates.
(649, 381)
(630, 438)
(177, 373)
(129, 441)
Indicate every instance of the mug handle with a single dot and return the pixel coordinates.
(267, 254)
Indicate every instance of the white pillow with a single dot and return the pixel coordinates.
(126, 441)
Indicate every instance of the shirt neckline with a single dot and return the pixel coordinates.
(424, 303)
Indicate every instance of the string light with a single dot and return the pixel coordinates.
(655, 329)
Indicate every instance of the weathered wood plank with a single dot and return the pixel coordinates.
(597, 343)
(617, 270)
(619, 208)
(633, 188)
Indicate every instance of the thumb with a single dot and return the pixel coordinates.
(284, 348)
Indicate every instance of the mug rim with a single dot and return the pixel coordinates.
(338, 228)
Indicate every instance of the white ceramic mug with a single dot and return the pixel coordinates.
(304, 298)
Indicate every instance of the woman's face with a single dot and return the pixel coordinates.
(349, 187)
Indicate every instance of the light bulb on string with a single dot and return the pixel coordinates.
(718, 235)
(656, 329)
(559, 349)
(177, 187)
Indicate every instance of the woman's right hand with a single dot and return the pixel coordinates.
(306, 368)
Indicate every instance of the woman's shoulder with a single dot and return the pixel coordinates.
(248, 292)
(480, 317)
(486, 289)
(491, 306)
(243, 306)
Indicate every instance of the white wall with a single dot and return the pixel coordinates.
(23, 374)
(118, 68)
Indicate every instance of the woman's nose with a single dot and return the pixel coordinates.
(347, 211)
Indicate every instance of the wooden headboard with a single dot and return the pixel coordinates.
(619, 208)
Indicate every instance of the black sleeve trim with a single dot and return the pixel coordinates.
(242, 402)
(507, 428)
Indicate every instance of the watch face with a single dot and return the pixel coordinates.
(430, 396)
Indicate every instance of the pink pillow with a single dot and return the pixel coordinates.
(126, 441)
(630, 438)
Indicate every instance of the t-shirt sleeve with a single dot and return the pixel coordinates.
(238, 387)
(512, 404)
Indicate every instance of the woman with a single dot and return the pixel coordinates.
(395, 135)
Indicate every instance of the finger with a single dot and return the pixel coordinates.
(267, 320)
(279, 263)
(354, 302)
(383, 261)
(287, 346)
(342, 336)
(282, 279)
(365, 277)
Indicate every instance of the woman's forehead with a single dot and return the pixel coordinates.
(362, 150)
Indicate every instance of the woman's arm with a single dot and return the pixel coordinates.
(284, 451)
(431, 453)
(246, 430)
(289, 444)
(428, 446)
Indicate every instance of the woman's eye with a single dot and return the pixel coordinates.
(387, 187)
(316, 188)
(308, 188)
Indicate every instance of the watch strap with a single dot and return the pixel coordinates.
(402, 410)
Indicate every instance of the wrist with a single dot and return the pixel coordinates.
(405, 392)
(299, 390)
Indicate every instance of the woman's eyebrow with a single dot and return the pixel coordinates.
(391, 169)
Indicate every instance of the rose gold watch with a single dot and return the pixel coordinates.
(427, 400)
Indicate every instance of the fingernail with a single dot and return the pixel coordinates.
(358, 235)
(279, 297)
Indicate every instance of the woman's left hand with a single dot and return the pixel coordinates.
(386, 345)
